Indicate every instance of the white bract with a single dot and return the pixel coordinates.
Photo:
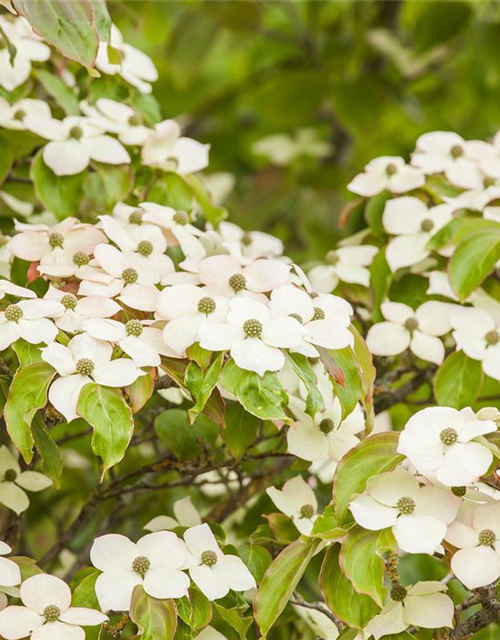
(296, 500)
(443, 441)
(155, 562)
(248, 246)
(119, 118)
(346, 264)
(47, 613)
(85, 360)
(214, 573)
(166, 149)
(29, 48)
(14, 482)
(12, 115)
(186, 515)
(405, 328)
(478, 335)
(386, 172)
(76, 310)
(417, 515)
(29, 319)
(10, 574)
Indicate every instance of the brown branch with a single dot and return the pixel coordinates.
(487, 615)
(317, 606)
(387, 399)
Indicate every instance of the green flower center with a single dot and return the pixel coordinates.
(459, 491)
(145, 248)
(19, 114)
(296, 316)
(307, 511)
(332, 257)
(51, 613)
(456, 151)
(10, 475)
(129, 276)
(326, 425)
(448, 436)
(134, 328)
(76, 133)
(69, 301)
(411, 324)
(85, 367)
(56, 240)
(135, 217)
(406, 505)
(13, 313)
(427, 224)
(135, 120)
(487, 537)
(209, 558)
(246, 240)
(319, 314)
(492, 337)
(391, 169)
(252, 328)
(181, 217)
(398, 592)
(81, 259)
(141, 565)
(206, 305)
(488, 182)
(237, 282)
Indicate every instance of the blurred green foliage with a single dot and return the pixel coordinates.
(367, 76)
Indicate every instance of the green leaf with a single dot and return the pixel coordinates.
(257, 559)
(155, 619)
(380, 277)
(350, 392)
(361, 561)
(27, 566)
(106, 186)
(27, 394)
(374, 211)
(370, 457)
(241, 430)
(84, 593)
(473, 260)
(445, 235)
(172, 191)
(201, 384)
(107, 412)
(139, 392)
(67, 25)
(62, 94)
(195, 611)
(213, 213)
(59, 194)
(339, 594)
(6, 158)
(102, 20)
(303, 368)
(235, 619)
(263, 396)
(173, 427)
(282, 527)
(280, 581)
(325, 527)
(458, 381)
(49, 452)
(368, 374)
(26, 352)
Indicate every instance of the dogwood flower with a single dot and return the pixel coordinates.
(418, 516)
(413, 224)
(386, 172)
(252, 335)
(186, 515)
(478, 335)
(405, 328)
(476, 533)
(135, 66)
(47, 613)
(345, 264)
(85, 360)
(188, 308)
(29, 48)
(443, 441)
(119, 118)
(224, 276)
(213, 572)
(76, 310)
(10, 574)
(421, 605)
(74, 142)
(447, 152)
(29, 319)
(14, 483)
(155, 562)
(248, 246)
(12, 115)
(166, 149)
(296, 500)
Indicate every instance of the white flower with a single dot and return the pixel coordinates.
(224, 276)
(282, 149)
(476, 533)
(442, 440)
(10, 574)
(324, 435)
(117, 117)
(135, 66)
(167, 149)
(14, 482)
(405, 328)
(414, 225)
(47, 613)
(213, 572)
(248, 246)
(386, 172)
(297, 501)
(8, 288)
(478, 335)
(85, 360)
(447, 152)
(185, 514)
(142, 343)
(28, 319)
(346, 264)
(154, 562)
(29, 48)
(188, 308)
(421, 605)
(74, 142)
(12, 115)
(417, 515)
(76, 310)
(252, 335)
